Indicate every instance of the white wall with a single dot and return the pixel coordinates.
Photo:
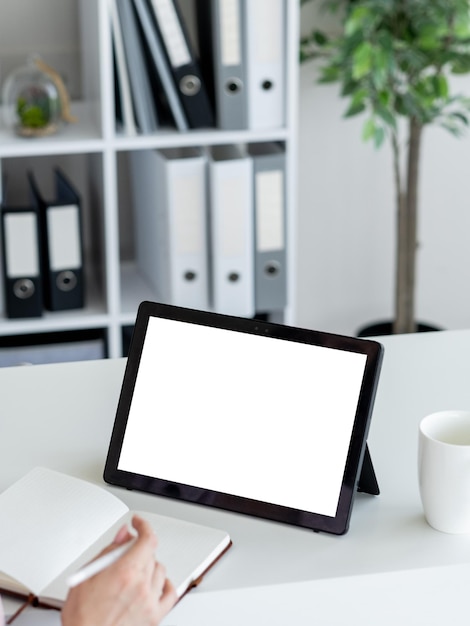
(346, 223)
(45, 27)
(345, 216)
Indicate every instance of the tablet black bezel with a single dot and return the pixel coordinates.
(336, 525)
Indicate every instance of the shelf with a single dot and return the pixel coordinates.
(96, 159)
(55, 321)
(82, 137)
(93, 315)
(210, 136)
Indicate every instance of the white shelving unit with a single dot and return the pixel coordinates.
(94, 157)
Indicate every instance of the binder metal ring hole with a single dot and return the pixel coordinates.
(233, 86)
(267, 85)
(66, 280)
(23, 288)
(234, 277)
(272, 269)
(190, 85)
(190, 275)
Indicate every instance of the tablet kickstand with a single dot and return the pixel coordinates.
(368, 481)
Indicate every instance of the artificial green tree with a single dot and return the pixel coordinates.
(393, 60)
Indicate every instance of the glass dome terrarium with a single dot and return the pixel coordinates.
(32, 100)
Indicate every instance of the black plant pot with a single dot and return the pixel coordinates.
(386, 328)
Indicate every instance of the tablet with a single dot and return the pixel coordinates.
(245, 415)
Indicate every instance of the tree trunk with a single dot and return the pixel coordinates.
(407, 202)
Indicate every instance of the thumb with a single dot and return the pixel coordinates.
(123, 535)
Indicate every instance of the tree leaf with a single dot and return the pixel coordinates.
(362, 60)
(395, 57)
(379, 137)
(461, 64)
(441, 86)
(368, 130)
(320, 38)
(384, 97)
(356, 21)
(349, 87)
(354, 109)
(429, 37)
(387, 116)
(461, 117)
(329, 74)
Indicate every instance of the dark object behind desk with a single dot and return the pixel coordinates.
(41, 348)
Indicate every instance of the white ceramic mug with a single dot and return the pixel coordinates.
(444, 470)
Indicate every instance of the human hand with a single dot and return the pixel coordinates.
(133, 591)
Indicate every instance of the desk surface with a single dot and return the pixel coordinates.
(61, 416)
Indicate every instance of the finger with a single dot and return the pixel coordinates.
(123, 535)
(143, 528)
(158, 578)
(146, 538)
(168, 598)
(142, 552)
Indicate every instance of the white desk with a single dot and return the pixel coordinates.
(61, 416)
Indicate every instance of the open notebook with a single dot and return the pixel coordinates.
(52, 524)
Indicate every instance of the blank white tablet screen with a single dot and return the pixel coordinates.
(248, 415)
